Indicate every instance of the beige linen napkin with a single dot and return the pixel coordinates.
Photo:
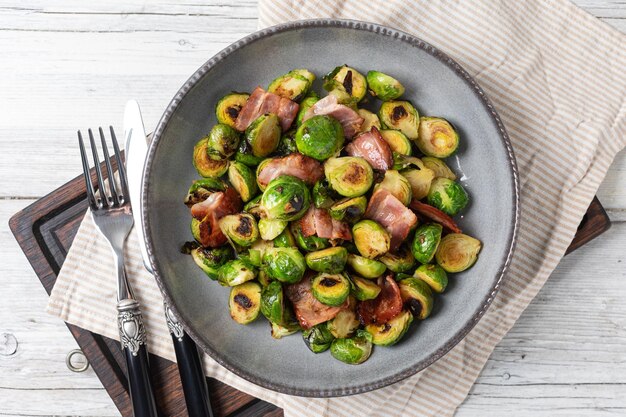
(554, 74)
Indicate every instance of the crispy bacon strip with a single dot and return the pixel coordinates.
(387, 210)
(383, 308)
(372, 147)
(435, 214)
(210, 211)
(308, 310)
(297, 165)
(261, 102)
(349, 119)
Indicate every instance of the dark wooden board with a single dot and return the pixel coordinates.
(45, 231)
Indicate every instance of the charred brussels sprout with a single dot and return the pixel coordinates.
(330, 289)
(287, 144)
(397, 141)
(390, 333)
(437, 137)
(331, 260)
(457, 252)
(344, 324)
(228, 108)
(270, 229)
(236, 272)
(369, 120)
(320, 137)
(200, 190)
(397, 185)
(318, 338)
(349, 209)
(433, 275)
(263, 135)
(438, 167)
(273, 303)
(305, 105)
(370, 238)
(349, 176)
(384, 86)
(364, 289)
(400, 261)
(292, 85)
(240, 228)
(222, 142)
(417, 296)
(285, 239)
(245, 156)
(206, 166)
(346, 79)
(323, 196)
(210, 260)
(245, 302)
(195, 229)
(253, 206)
(243, 180)
(353, 351)
(400, 115)
(447, 195)
(285, 198)
(426, 241)
(307, 243)
(420, 181)
(284, 264)
(368, 268)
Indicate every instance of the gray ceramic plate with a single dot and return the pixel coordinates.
(437, 86)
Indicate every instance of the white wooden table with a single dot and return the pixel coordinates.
(73, 64)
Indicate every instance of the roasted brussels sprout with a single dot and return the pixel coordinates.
(447, 195)
(206, 166)
(323, 196)
(288, 326)
(368, 268)
(200, 190)
(240, 228)
(364, 289)
(273, 303)
(426, 241)
(344, 324)
(258, 250)
(438, 167)
(245, 156)
(318, 338)
(306, 74)
(397, 185)
(330, 289)
(287, 144)
(349, 176)
(384, 86)
(400, 115)
(417, 297)
(271, 228)
(403, 162)
(343, 97)
(370, 238)
(305, 105)
(437, 137)
(346, 79)
(253, 206)
(349, 209)
(245, 302)
(222, 142)
(285, 239)
(263, 135)
(228, 108)
(285, 198)
(320, 137)
(353, 351)
(400, 261)
(195, 229)
(420, 181)
(292, 85)
(397, 141)
(331, 260)
(263, 278)
(390, 333)
(236, 272)
(210, 260)
(369, 120)
(243, 180)
(457, 252)
(433, 275)
(307, 243)
(284, 264)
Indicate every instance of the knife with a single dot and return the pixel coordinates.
(189, 365)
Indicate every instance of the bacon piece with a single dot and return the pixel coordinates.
(323, 224)
(251, 110)
(372, 147)
(349, 119)
(383, 308)
(318, 222)
(287, 112)
(210, 211)
(261, 102)
(297, 165)
(387, 210)
(341, 230)
(309, 311)
(307, 222)
(435, 214)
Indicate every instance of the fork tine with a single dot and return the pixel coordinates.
(120, 166)
(91, 195)
(112, 185)
(101, 187)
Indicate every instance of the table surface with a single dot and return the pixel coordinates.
(73, 64)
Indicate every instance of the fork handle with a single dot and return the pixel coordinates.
(133, 339)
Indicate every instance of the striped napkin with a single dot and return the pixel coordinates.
(555, 75)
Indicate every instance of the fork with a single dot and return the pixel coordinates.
(112, 214)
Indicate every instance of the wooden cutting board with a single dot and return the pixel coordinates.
(45, 231)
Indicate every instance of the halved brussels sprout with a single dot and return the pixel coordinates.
(253, 206)
(457, 252)
(273, 302)
(258, 250)
(402, 162)
(259, 168)
(195, 229)
(320, 137)
(236, 272)
(353, 351)
(364, 289)
(438, 167)
(370, 238)
(390, 333)
(288, 326)
(349, 176)
(343, 97)
(369, 120)
(417, 297)
(346, 79)
(201, 189)
(330, 289)
(228, 108)
(243, 180)
(245, 302)
(223, 142)
(400, 115)
(307, 243)
(245, 156)
(323, 196)
(292, 85)
(206, 166)
(397, 141)
(433, 275)
(287, 144)
(437, 137)
(305, 105)
(344, 324)
(367, 268)
(263, 135)
(306, 74)
(284, 264)
(331, 260)
(384, 86)
(252, 256)
(400, 261)
(426, 241)
(240, 228)
(420, 181)
(285, 239)
(286, 198)
(349, 209)
(270, 228)
(263, 278)
(318, 338)
(447, 195)
(397, 185)
(210, 260)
